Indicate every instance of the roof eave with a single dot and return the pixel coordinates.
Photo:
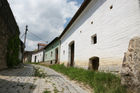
(77, 14)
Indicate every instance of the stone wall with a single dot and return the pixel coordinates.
(8, 29)
(130, 73)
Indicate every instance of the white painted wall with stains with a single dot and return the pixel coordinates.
(39, 57)
(113, 27)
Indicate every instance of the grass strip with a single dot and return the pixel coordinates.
(101, 82)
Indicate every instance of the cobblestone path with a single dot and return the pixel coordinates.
(23, 81)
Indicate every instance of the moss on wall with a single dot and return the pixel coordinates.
(13, 51)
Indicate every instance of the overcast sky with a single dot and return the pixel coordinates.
(46, 18)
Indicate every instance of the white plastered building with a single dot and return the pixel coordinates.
(99, 34)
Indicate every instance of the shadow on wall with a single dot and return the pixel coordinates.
(16, 87)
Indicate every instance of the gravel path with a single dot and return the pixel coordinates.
(22, 81)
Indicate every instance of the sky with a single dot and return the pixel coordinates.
(46, 19)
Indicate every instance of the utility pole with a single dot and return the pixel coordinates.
(26, 29)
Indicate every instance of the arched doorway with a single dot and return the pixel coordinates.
(94, 63)
(71, 53)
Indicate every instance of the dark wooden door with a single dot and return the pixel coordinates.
(72, 55)
(95, 63)
(35, 59)
(56, 55)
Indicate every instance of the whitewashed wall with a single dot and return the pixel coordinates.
(114, 28)
(39, 57)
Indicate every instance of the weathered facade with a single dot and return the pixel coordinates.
(38, 56)
(52, 52)
(99, 34)
(9, 37)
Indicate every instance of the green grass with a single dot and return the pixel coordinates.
(100, 82)
(46, 91)
(31, 63)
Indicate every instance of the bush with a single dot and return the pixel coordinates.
(101, 82)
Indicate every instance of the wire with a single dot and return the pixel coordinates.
(38, 37)
(22, 35)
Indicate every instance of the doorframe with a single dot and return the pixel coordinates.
(69, 54)
(35, 58)
(91, 63)
(56, 55)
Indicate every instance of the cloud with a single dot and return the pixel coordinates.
(46, 18)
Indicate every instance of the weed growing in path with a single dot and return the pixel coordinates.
(46, 91)
(39, 73)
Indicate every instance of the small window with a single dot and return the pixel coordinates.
(94, 39)
(51, 54)
(111, 7)
(63, 52)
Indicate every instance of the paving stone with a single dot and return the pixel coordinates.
(22, 81)
(60, 82)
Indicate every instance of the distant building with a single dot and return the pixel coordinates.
(41, 45)
(38, 56)
(9, 37)
(27, 56)
(52, 52)
(99, 34)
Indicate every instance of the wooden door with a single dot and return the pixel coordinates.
(72, 55)
(56, 56)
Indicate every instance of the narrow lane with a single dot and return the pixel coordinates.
(60, 83)
(22, 80)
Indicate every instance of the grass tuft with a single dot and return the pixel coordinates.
(101, 82)
(39, 73)
(46, 91)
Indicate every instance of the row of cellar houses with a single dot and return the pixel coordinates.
(97, 36)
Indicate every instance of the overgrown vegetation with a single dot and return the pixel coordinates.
(13, 51)
(101, 82)
(39, 73)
